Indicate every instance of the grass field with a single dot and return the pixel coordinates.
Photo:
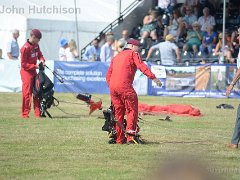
(69, 147)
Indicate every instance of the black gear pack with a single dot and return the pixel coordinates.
(43, 87)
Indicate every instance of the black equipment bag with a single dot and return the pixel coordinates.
(109, 123)
(43, 87)
(109, 126)
(42, 84)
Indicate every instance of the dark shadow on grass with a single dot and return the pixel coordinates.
(65, 117)
(180, 142)
(73, 117)
(146, 142)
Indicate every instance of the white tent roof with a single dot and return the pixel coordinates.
(91, 10)
(93, 16)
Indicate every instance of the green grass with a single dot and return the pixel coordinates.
(69, 147)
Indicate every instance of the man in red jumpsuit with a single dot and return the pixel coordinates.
(120, 77)
(30, 53)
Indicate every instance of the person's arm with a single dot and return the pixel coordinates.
(151, 51)
(102, 54)
(171, 20)
(40, 56)
(147, 20)
(230, 46)
(200, 21)
(149, 54)
(86, 54)
(24, 60)
(109, 73)
(189, 35)
(98, 51)
(235, 79)
(213, 21)
(165, 32)
(177, 51)
(75, 53)
(115, 46)
(217, 49)
(214, 39)
(203, 41)
(144, 68)
(9, 50)
(199, 35)
(233, 35)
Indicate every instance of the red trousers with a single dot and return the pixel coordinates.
(27, 90)
(125, 100)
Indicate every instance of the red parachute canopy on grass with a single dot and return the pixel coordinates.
(176, 109)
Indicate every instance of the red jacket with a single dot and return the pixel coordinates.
(30, 53)
(123, 68)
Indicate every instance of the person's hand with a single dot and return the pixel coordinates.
(40, 63)
(43, 62)
(157, 81)
(229, 89)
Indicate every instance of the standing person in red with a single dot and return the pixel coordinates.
(120, 77)
(30, 53)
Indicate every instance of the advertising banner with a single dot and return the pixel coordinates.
(81, 77)
(194, 81)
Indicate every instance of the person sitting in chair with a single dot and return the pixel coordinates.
(194, 39)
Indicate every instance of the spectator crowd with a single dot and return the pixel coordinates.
(173, 33)
(170, 33)
(192, 31)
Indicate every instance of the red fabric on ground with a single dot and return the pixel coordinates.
(176, 109)
(94, 106)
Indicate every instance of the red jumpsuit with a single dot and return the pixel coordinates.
(29, 55)
(120, 77)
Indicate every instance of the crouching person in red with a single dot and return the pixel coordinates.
(30, 53)
(120, 77)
